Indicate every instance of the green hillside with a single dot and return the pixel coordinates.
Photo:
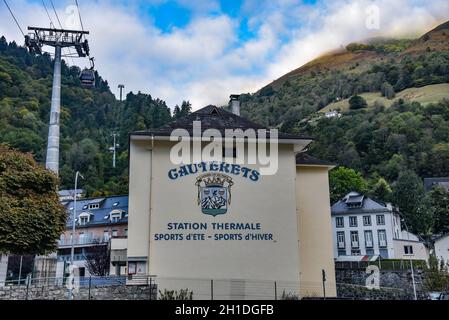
(361, 68)
(392, 143)
(424, 95)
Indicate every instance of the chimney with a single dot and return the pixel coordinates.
(235, 104)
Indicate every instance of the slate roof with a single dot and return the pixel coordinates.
(212, 117)
(98, 215)
(430, 182)
(368, 205)
(66, 193)
(305, 159)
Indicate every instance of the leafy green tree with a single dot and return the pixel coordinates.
(439, 198)
(436, 275)
(31, 217)
(380, 189)
(344, 180)
(357, 102)
(408, 194)
(387, 90)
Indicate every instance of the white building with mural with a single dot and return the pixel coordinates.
(194, 222)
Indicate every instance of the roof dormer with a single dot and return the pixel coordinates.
(354, 200)
(95, 203)
(84, 218)
(116, 215)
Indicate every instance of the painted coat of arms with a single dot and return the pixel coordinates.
(214, 193)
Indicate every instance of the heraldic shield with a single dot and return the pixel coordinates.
(214, 193)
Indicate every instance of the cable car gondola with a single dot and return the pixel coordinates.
(87, 76)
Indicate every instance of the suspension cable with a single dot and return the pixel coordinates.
(14, 17)
(79, 14)
(48, 15)
(56, 14)
(60, 25)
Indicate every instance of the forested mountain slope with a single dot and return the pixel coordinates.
(88, 119)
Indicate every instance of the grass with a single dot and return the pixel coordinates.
(424, 95)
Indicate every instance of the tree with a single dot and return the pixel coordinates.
(344, 180)
(98, 260)
(186, 109)
(387, 90)
(439, 199)
(381, 190)
(31, 217)
(436, 275)
(357, 102)
(408, 194)
(176, 112)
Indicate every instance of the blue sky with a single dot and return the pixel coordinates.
(204, 50)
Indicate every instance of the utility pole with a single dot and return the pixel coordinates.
(72, 240)
(57, 38)
(411, 261)
(121, 86)
(113, 149)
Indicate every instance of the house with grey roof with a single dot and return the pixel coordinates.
(441, 246)
(101, 221)
(364, 229)
(429, 183)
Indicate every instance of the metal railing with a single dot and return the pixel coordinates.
(149, 287)
(381, 264)
(83, 240)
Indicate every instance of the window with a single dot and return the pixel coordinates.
(382, 238)
(353, 221)
(380, 218)
(94, 206)
(81, 238)
(84, 220)
(354, 239)
(408, 250)
(126, 232)
(366, 220)
(106, 235)
(341, 240)
(368, 239)
(355, 252)
(116, 215)
(339, 222)
(115, 233)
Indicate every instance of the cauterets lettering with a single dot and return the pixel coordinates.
(223, 167)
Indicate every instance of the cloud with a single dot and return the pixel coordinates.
(208, 59)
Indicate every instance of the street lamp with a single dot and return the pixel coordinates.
(72, 253)
(411, 262)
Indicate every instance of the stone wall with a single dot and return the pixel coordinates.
(394, 284)
(110, 292)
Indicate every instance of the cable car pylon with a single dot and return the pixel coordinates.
(57, 38)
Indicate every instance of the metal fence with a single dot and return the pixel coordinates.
(153, 287)
(382, 264)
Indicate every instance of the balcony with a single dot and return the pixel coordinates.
(67, 257)
(118, 256)
(83, 241)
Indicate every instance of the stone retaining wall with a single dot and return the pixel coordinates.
(394, 284)
(110, 292)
